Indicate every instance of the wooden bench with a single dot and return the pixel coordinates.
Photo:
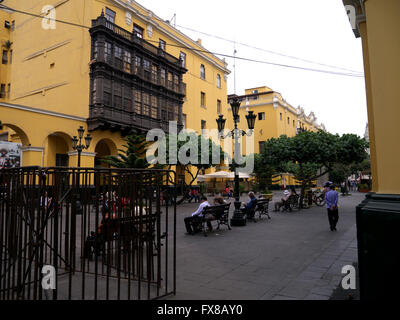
(219, 213)
(262, 208)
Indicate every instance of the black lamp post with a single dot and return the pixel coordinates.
(238, 218)
(77, 143)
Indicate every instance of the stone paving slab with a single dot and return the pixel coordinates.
(292, 256)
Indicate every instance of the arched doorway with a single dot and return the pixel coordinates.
(57, 148)
(12, 133)
(104, 147)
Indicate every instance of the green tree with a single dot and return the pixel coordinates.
(310, 155)
(203, 160)
(265, 172)
(133, 156)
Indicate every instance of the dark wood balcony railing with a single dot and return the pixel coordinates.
(102, 21)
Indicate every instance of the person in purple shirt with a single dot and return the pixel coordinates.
(332, 198)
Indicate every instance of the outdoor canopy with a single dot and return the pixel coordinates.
(222, 175)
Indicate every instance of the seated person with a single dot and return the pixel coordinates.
(248, 209)
(284, 199)
(218, 200)
(195, 219)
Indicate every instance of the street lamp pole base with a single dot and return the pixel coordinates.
(238, 219)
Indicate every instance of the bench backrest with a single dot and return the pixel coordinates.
(218, 211)
(128, 228)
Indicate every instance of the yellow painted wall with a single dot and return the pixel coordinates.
(381, 46)
(50, 75)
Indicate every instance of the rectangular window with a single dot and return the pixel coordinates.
(293, 123)
(138, 31)
(219, 106)
(146, 69)
(154, 107)
(9, 90)
(138, 102)
(138, 64)
(203, 126)
(154, 73)
(162, 44)
(5, 57)
(107, 92)
(162, 76)
(182, 57)
(261, 146)
(176, 82)
(96, 50)
(280, 116)
(218, 81)
(127, 104)
(146, 104)
(127, 61)
(107, 99)
(170, 112)
(110, 15)
(202, 72)
(94, 92)
(117, 102)
(107, 52)
(118, 57)
(288, 120)
(203, 100)
(2, 91)
(11, 55)
(170, 83)
(164, 115)
(261, 116)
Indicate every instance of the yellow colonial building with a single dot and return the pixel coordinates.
(275, 116)
(107, 65)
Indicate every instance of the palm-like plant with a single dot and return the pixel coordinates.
(134, 155)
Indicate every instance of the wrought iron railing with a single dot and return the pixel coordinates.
(107, 234)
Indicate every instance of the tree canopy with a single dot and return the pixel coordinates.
(310, 155)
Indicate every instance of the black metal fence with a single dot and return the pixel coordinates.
(106, 234)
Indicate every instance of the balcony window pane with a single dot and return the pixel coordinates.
(127, 61)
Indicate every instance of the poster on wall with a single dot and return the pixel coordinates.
(10, 154)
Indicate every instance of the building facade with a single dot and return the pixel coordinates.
(110, 66)
(275, 116)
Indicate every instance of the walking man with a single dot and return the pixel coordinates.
(332, 198)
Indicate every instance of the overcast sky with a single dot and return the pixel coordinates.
(309, 29)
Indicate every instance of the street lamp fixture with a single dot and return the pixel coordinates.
(77, 143)
(238, 218)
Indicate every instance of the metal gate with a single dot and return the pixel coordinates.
(78, 233)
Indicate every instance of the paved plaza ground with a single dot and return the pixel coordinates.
(292, 256)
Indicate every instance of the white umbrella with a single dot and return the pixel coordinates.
(223, 175)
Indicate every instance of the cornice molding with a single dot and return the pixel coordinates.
(83, 153)
(34, 149)
(41, 111)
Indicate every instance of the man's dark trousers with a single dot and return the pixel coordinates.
(192, 221)
(333, 216)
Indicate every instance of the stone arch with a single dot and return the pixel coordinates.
(23, 137)
(104, 147)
